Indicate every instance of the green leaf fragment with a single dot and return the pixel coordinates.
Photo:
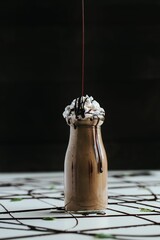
(16, 199)
(93, 212)
(104, 236)
(48, 218)
(146, 210)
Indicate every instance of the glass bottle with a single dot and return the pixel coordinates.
(85, 168)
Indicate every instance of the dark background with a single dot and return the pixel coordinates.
(40, 73)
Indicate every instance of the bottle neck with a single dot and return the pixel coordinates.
(89, 123)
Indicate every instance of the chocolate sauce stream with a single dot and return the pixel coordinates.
(82, 47)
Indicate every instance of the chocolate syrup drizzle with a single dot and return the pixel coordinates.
(80, 112)
(121, 206)
(79, 107)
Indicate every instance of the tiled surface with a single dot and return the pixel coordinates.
(31, 206)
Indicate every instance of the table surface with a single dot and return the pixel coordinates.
(32, 206)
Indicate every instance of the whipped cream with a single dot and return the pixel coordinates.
(83, 108)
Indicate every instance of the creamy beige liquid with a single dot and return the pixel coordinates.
(85, 184)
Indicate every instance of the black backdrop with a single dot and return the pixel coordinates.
(40, 73)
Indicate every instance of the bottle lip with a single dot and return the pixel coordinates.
(88, 122)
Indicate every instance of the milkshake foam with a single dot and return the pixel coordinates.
(83, 108)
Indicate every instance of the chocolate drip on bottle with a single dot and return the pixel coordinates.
(98, 149)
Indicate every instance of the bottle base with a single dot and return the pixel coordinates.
(87, 212)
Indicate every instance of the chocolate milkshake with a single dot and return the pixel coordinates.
(85, 169)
